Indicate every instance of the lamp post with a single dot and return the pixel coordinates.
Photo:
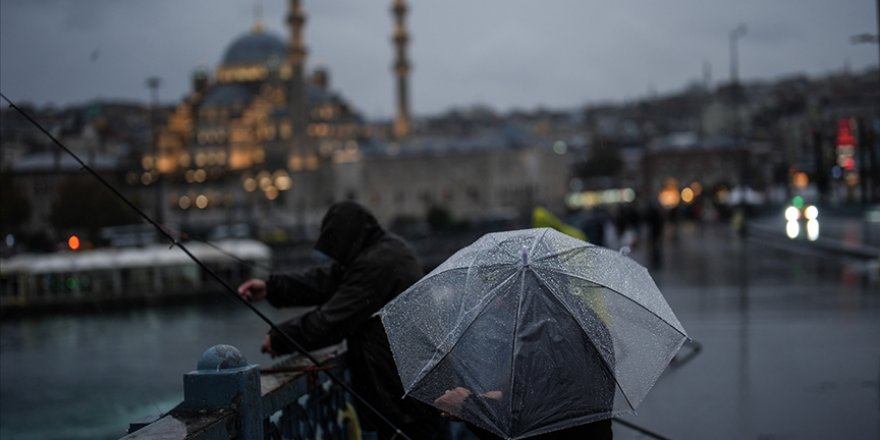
(737, 96)
(153, 83)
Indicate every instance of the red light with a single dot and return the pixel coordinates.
(73, 242)
(844, 133)
(849, 163)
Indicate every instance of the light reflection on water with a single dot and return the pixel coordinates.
(88, 376)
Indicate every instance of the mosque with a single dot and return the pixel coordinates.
(264, 141)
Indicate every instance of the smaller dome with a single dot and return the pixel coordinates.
(253, 47)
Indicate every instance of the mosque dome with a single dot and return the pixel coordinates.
(254, 47)
(228, 94)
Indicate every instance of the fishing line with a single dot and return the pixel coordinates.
(251, 264)
(204, 267)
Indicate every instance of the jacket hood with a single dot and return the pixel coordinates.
(347, 230)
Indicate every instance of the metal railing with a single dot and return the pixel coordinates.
(226, 398)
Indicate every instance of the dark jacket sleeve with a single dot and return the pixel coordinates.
(309, 288)
(357, 297)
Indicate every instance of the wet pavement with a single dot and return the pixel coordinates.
(790, 339)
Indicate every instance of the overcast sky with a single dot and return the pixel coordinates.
(503, 53)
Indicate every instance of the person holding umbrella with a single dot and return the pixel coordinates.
(370, 268)
(476, 357)
(533, 334)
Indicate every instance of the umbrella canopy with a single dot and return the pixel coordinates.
(538, 331)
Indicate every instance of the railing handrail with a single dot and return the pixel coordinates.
(281, 385)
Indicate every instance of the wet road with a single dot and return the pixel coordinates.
(790, 342)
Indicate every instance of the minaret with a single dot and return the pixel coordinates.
(258, 16)
(297, 60)
(401, 69)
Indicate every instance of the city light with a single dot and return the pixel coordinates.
(800, 180)
(811, 213)
(282, 180)
(560, 147)
(687, 195)
(201, 201)
(590, 199)
(792, 214)
(250, 184)
(669, 196)
(792, 229)
(813, 230)
(73, 242)
(184, 202)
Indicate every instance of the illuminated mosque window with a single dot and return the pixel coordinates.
(312, 162)
(319, 130)
(259, 155)
(295, 163)
(326, 112)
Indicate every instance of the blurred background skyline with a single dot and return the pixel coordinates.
(502, 54)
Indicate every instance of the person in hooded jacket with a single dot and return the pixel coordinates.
(370, 268)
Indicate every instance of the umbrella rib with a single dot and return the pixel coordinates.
(642, 306)
(578, 276)
(463, 267)
(431, 364)
(608, 368)
(513, 350)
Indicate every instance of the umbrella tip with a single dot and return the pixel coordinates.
(525, 256)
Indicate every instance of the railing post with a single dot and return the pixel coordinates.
(224, 380)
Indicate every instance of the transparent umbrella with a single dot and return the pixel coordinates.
(532, 331)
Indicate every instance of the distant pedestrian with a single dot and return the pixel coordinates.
(370, 267)
(654, 218)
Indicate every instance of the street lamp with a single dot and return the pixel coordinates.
(734, 36)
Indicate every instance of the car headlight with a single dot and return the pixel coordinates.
(811, 213)
(792, 214)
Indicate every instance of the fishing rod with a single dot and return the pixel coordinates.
(216, 247)
(204, 267)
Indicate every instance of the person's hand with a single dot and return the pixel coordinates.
(494, 395)
(253, 290)
(452, 400)
(267, 347)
